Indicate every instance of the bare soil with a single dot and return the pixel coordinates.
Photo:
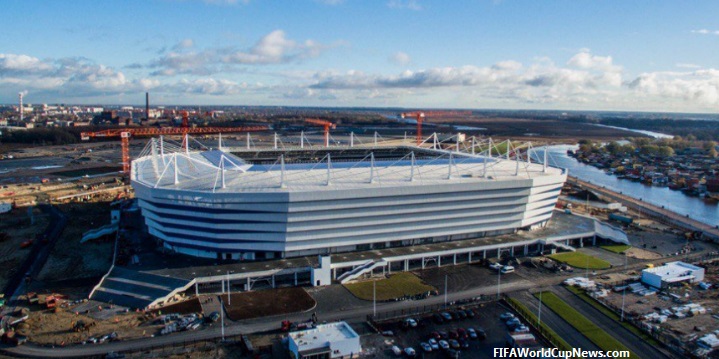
(185, 307)
(268, 302)
(639, 253)
(71, 259)
(16, 228)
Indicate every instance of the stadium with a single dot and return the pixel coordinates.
(242, 204)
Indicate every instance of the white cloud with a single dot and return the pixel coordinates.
(184, 44)
(405, 4)
(400, 58)
(275, 48)
(706, 32)
(700, 86)
(687, 66)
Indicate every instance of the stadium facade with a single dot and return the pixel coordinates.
(287, 203)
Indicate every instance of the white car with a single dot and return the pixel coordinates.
(444, 344)
(410, 323)
(495, 266)
(433, 343)
(507, 269)
(410, 351)
(396, 350)
(506, 316)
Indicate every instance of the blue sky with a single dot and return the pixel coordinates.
(595, 55)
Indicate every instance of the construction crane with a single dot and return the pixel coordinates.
(126, 133)
(419, 116)
(327, 126)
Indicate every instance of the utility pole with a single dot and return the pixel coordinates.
(374, 299)
(539, 314)
(229, 290)
(445, 290)
(222, 318)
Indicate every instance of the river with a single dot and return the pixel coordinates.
(675, 201)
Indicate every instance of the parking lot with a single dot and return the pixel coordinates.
(486, 318)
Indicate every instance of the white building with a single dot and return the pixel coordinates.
(670, 273)
(236, 205)
(332, 340)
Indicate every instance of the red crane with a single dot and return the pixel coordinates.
(327, 126)
(419, 116)
(126, 133)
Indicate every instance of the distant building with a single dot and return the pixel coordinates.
(672, 273)
(332, 340)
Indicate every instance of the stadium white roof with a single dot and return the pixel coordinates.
(222, 172)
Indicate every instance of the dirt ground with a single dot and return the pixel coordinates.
(269, 302)
(639, 253)
(17, 227)
(55, 328)
(71, 259)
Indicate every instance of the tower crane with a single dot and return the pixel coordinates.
(126, 133)
(421, 115)
(327, 126)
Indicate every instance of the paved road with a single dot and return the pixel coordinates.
(622, 334)
(658, 211)
(554, 321)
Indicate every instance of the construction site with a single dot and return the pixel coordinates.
(90, 272)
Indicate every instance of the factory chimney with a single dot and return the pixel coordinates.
(21, 108)
(147, 106)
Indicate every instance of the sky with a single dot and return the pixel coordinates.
(641, 55)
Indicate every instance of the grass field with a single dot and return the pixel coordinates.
(611, 314)
(619, 249)
(585, 326)
(580, 260)
(548, 333)
(398, 285)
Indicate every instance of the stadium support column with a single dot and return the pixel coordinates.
(352, 139)
(219, 141)
(470, 258)
(375, 138)
(275, 147)
(449, 167)
(406, 265)
(273, 281)
(411, 171)
(329, 169)
(174, 159)
(473, 145)
(302, 139)
(295, 279)
(371, 169)
(517, 157)
(544, 164)
(457, 142)
(162, 150)
(248, 140)
(222, 170)
(454, 259)
(282, 171)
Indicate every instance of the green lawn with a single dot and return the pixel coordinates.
(581, 260)
(611, 314)
(619, 248)
(546, 331)
(585, 326)
(398, 285)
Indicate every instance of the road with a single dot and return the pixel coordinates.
(659, 213)
(612, 327)
(551, 319)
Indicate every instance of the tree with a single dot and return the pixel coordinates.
(713, 153)
(666, 151)
(708, 145)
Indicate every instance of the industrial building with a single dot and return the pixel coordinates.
(672, 273)
(263, 204)
(331, 340)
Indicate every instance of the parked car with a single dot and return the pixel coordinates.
(433, 343)
(437, 318)
(453, 334)
(507, 269)
(481, 334)
(426, 347)
(454, 344)
(521, 329)
(410, 323)
(444, 344)
(506, 316)
(464, 343)
(462, 333)
(410, 352)
(513, 323)
(470, 313)
(396, 350)
(446, 316)
(472, 333)
(462, 314)
(443, 334)
(435, 336)
(451, 353)
(496, 266)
